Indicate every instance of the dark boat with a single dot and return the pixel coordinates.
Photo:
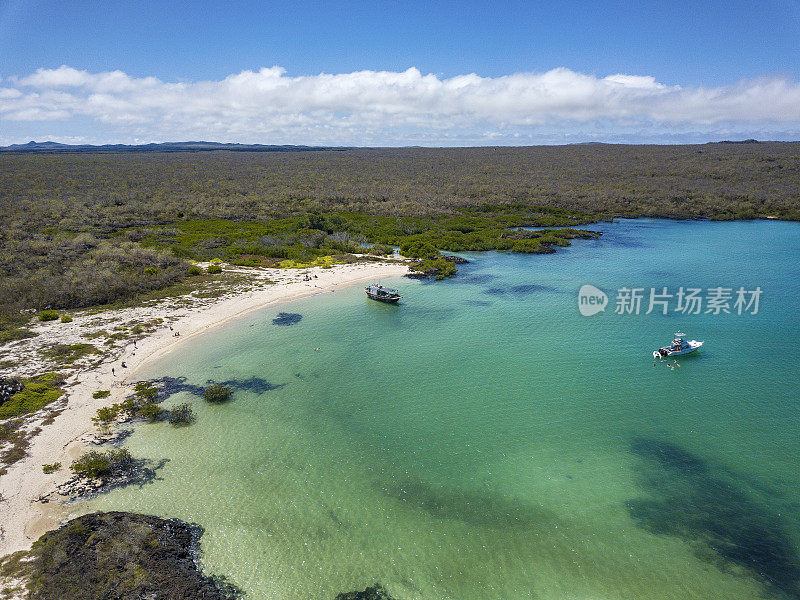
(382, 294)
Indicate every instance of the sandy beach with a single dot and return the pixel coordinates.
(23, 518)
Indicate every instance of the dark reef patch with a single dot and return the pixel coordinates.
(530, 288)
(519, 290)
(287, 319)
(476, 278)
(477, 303)
(686, 499)
(668, 455)
(117, 556)
(487, 509)
(376, 592)
(495, 291)
(251, 384)
(172, 385)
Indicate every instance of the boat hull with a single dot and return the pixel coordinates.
(665, 352)
(682, 352)
(386, 299)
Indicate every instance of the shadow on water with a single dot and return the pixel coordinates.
(490, 510)
(519, 291)
(475, 278)
(477, 303)
(287, 319)
(689, 501)
(174, 385)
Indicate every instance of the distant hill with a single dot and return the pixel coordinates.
(165, 147)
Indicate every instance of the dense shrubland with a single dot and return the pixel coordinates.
(86, 229)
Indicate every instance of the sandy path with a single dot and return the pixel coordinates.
(22, 519)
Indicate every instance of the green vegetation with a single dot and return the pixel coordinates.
(214, 269)
(48, 315)
(89, 229)
(106, 415)
(151, 412)
(37, 393)
(66, 319)
(217, 393)
(114, 556)
(101, 394)
(100, 465)
(145, 391)
(182, 414)
(13, 327)
(66, 354)
(438, 268)
(194, 270)
(52, 468)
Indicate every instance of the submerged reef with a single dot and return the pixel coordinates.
(117, 556)
(376, 592)
(484, 509)
(519, 291)
(287, 319)
(172, 385)
(686, 498)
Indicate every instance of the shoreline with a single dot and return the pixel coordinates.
(24, 518)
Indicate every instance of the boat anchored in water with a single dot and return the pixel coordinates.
(678, 347)
(382, 294)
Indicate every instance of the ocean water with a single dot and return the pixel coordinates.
(484, 440)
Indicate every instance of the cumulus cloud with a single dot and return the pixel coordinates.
(388, 107)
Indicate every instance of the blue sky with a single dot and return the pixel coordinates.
(695, 67)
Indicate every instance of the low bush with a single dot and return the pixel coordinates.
(101, 394)
(96, 464)
(66, 354)
(37, 393)
(181, 414)
(380, 250)
(214, 269)
(146, 391)
(66, 319)
(217, 393)
(47, 469)
(194, 270)
(106, 414)
(151, 411)
(438, 268)
(48, 315)
(92, 464)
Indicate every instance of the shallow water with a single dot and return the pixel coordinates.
(485, 440)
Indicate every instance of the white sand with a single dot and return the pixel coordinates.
(22, 518)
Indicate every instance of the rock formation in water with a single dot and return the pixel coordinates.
(376, 592)
(116, 556)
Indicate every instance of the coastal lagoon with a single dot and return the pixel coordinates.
(484, 440)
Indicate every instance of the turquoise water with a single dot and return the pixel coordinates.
(483, 440)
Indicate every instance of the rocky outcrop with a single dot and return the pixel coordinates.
(8, 387)
(118, 556)
(455, 259)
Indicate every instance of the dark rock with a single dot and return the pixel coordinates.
(287, 319)
(376, 592)
(455, 259)
(8, 387)
(121, 556)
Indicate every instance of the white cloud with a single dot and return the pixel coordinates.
(389, 107)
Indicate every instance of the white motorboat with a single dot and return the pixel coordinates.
(678, 347)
